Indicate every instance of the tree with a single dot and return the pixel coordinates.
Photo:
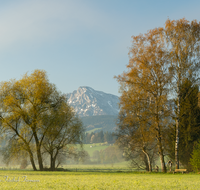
(64, 131)
(172, 51)
(134, 131)
(182, 38)
(146, 83)
(14, 151)
(195, 159)
(112, 154)
(189, 128)
(96, 156)
(25, 106)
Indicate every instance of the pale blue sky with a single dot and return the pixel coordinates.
(79, 42)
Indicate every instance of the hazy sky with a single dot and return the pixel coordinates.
(79, 42)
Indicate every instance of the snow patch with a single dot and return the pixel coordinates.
(110, 104)
(84, 89)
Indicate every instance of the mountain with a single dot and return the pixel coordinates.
(89, 102)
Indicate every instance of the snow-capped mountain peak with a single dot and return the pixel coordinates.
(88, 102)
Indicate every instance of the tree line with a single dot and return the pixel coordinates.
(110, 155)
(99, 137)
(159, 106)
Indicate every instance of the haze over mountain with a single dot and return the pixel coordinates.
(89, 102)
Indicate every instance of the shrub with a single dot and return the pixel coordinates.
(195, 159)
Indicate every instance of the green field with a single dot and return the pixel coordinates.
(96, 180)
(101, 176)
(90, 148)
(116, 167)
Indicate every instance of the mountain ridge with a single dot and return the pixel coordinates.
(89, 102)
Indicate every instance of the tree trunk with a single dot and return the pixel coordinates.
(31, 156)
(160, 149)
(176, 144)
(148, 160)
(54, 159)
(159, 140)
(32, 162)
(52, 163)
(162, 160)
(177, 125)
(39, 155)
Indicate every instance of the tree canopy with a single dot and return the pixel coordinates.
(33, 111)
(160, 60)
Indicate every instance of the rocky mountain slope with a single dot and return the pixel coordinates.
(89, 102)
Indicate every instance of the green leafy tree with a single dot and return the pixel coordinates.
(183, 40)
(96, 156)
(189, 128)
(195, 159)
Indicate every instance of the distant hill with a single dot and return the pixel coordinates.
(99, 123)
(89, 102)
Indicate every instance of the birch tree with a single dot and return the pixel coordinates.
(183, 40)
(189, 126)
(149, 73)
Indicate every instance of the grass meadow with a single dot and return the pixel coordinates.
(20, 180)
(117, 176)
(90, 148)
